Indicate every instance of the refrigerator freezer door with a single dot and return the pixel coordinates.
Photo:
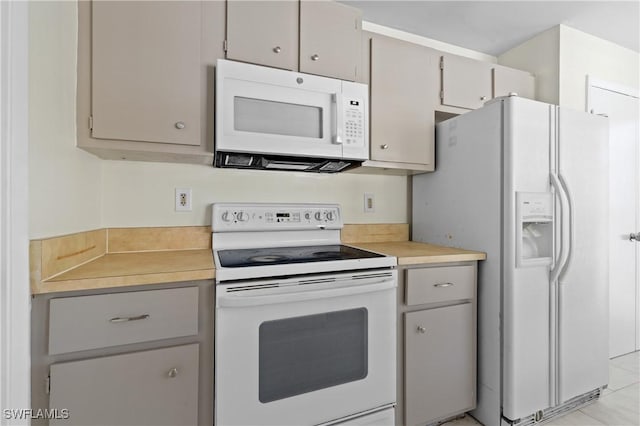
(527, 295)
(583, 281)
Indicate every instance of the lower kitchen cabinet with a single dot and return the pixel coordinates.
(439, 363)
(157, 387)
(143, 356)
(436, 342)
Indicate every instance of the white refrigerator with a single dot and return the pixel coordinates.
(527, 183)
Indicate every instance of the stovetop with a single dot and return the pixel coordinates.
(254, 241)
(239, 258)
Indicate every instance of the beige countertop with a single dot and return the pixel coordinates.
(128, 269)
(413, 253)
(118, 257)
(84, 261)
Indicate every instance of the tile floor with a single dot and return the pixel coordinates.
(619, 404)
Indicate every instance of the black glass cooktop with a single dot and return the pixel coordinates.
(284, 255)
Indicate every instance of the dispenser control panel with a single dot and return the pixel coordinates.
(535, 207)
(534, 229)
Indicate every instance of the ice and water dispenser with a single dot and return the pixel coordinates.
(534, 228)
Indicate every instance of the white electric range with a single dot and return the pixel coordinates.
(305, 326)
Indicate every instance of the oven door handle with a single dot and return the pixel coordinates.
(239, 300)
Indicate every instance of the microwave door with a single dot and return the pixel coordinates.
(273, 119)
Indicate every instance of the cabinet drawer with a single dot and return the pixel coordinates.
(90, 322)
(429, 285)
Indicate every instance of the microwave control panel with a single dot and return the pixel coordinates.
(354, 121)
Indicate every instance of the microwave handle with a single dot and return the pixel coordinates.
(338, 116)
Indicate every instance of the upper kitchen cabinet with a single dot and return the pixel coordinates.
(330, 39)
(404, 92)
(508, 81)
(319, 37)
(466, 83)
(145, 79)
(263, 32)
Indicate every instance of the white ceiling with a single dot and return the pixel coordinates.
(493, 27)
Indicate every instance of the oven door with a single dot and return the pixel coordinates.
(305, 351)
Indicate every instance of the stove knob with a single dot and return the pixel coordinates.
(307, 216)
(226, 216)
(330, 216)
(318, 216)
(242, 217)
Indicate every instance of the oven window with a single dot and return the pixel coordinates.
(304, 354)
(277, 118)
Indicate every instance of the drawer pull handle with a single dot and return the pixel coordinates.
(127, 319)
(421, 329)
(173, 372)
(443, 285)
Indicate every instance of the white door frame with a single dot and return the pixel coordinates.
(15, 357)
(593, 83)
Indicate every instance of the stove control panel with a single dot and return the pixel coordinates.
(235, 217)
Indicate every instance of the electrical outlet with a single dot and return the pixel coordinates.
(369, 205)
(183, 199)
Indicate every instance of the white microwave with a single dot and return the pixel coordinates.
(269, 118)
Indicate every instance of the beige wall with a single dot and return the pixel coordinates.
(561, 59)
(539, 56)
(582, 54)
(64, 182)
(71, 190)
(142, 194)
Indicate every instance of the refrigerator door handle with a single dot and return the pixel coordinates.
(570, 239)
(562, 258)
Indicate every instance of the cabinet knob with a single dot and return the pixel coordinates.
(634, 237)
(277, 49)
(483, 98)
(384, 146)
(420, 329)
(180, 125)
(315, 57)
(173, 372)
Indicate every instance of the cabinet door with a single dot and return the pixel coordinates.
(263, 32)
(146, 71)
(404, 76)
(509, 80)
(330, 39)
(158, 387)
(440, 363)
(466, 83)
